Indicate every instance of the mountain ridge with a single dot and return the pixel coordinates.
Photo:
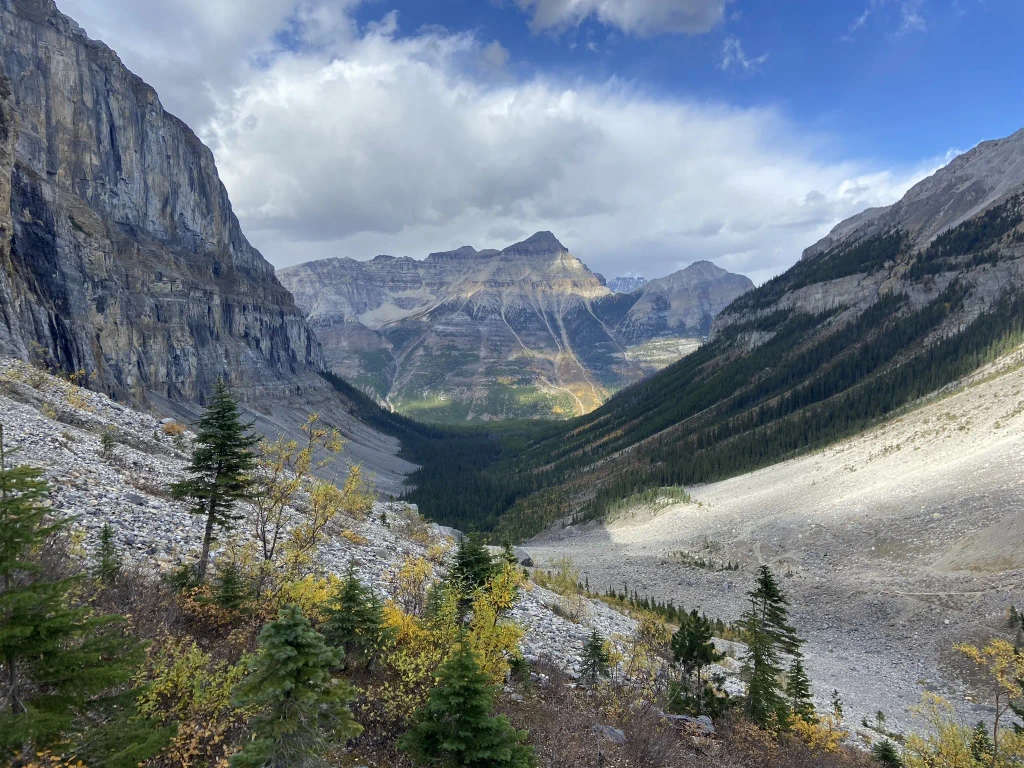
(524, 331)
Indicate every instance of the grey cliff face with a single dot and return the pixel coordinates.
(522, 332)
(915, 248)
(970, 184)
(120, 253)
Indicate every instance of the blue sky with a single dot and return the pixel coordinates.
(645, 133)
(911, 80)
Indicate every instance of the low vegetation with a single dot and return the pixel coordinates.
(268, 660)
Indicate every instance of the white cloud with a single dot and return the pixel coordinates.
(636, 17)
(910, 16)
(734, 59)
(365, 141)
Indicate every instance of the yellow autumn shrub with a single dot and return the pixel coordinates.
(183, 685)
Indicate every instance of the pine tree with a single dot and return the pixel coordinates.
(61, 666)
(219, 475)
(355, 620)
(474, 565)
(595, 659)
(693, 646)
(769, 635)
(457, 727)
(508, 554)
(302, 709)
(231, 590)
(982, 748)
(885, 753)
(108, 558)
(798, 689)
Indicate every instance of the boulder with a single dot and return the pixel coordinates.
(614, 735)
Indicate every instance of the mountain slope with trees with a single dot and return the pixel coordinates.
(840, 341)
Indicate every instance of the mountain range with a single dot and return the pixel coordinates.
(521, 332)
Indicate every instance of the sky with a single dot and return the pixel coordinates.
(646, 134)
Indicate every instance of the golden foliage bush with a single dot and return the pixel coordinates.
(355, 538)
(185, 686)
(173, 429)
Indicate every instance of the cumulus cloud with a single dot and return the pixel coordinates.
(635, 17)
(369, 141)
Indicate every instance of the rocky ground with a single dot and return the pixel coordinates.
(50, 423)
(892, 546)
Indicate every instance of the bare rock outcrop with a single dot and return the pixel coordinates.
(120, 255)
(970, 184)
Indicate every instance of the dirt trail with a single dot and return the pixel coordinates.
(892, 546)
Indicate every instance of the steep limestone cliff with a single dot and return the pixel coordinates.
(121, 256)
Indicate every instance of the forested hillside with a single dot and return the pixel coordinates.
(830, 347)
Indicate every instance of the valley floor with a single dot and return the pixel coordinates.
(893, 545)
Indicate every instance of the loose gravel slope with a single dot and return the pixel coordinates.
(893, 545)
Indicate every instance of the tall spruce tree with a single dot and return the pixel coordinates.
(595, 659)
(474, 565)
(302, 710)
(457, 727)
(355, 620)
(769, 635)
(64, 670)
(220, 472)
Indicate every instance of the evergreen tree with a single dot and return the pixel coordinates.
(769, 635)
(457, 727)
(693, 646)
(474, 565)
(508, 554)
(771, 604)
(885, 752)
(302, 709)
(64, 670)
(108, 558)
(595, 659)
(231, 591)
(219, 475)
(982, 748)
(355, 620)
(798, 689)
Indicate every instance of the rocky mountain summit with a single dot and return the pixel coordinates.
(525, 331)
(625, 284)
(972, 183)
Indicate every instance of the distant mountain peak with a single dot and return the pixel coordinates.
(465, 252)
(626, 284)
(539, 243)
